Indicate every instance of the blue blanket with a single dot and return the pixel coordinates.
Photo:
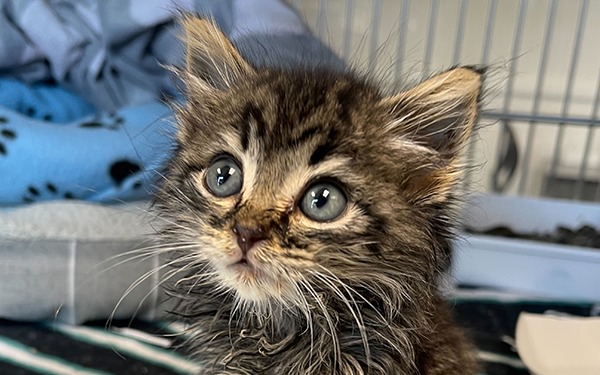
(54, 145)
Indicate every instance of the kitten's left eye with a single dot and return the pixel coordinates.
(224, 177)
(323, 202)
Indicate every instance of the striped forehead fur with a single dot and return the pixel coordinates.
(355, 295)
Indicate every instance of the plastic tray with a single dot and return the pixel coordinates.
(545, 269)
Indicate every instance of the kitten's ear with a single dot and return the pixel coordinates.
(210, 56)
(439, 113)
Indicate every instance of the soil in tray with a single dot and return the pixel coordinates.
(585, 236)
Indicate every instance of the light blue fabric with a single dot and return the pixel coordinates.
(43, 101)
(103, 157)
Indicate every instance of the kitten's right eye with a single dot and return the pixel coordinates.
(323, 202)
(224, 177)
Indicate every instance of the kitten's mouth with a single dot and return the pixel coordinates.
(248, 269)
(252, 279)
(244, 264)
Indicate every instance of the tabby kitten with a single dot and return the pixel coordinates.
(315, 214)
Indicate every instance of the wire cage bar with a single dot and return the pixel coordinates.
(539, 86)
(588, 145)
(403, 16)
(569, 90)
(545, 78)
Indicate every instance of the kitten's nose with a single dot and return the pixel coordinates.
(247, 237)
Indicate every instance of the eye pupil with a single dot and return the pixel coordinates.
(320, 199)
(223, 175)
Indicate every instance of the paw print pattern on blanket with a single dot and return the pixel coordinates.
(6, 135)
(123, 169)
(49, 191)
(30, 112)
(97, 123)
(103, 157)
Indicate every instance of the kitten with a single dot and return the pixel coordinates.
(315, 215)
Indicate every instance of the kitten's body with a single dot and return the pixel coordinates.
(354, 295)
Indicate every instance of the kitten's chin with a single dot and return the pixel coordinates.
(252, 284)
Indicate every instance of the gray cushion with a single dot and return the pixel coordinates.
(60, 260)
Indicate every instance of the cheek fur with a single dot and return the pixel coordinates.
(217, 244)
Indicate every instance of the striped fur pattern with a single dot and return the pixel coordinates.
(355, 295)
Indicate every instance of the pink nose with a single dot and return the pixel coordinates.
(247, 237)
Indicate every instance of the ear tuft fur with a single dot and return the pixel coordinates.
(210, 56)
(441, 112)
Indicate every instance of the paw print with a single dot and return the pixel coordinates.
(123, 169)
(48, 191)
(114, 122)
(5, 135)
(32, 113)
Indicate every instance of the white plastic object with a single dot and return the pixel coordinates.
(546, 269)
(553, 345)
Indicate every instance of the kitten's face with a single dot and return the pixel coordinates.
(290, 161)
(288, 181)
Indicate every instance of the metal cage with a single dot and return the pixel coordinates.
(543, 89)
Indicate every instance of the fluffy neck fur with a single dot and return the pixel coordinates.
(348, 331)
